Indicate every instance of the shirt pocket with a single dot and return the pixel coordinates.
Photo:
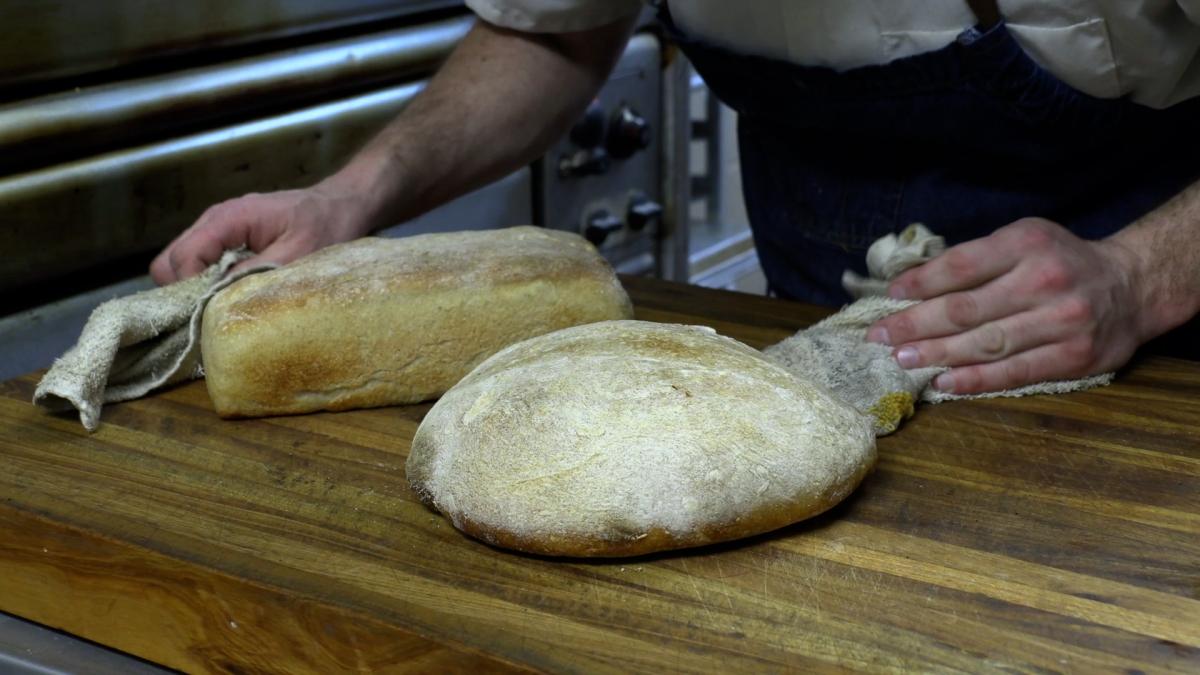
(897, 44)
(1080, 55)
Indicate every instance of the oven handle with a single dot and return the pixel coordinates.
(70, 125)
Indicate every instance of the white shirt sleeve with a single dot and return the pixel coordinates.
(553, 16)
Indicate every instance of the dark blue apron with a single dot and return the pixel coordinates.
(965, 139)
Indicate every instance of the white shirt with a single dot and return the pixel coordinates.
(1147, 49)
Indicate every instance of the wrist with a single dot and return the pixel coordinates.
(1163, 301)
(365, 195)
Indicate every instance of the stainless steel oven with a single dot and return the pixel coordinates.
(120, 122)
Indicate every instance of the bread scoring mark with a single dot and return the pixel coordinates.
(682, 390)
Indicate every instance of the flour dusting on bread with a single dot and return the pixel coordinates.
(386, 321)
(625, 437)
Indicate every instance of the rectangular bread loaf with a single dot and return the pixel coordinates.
(378, 321)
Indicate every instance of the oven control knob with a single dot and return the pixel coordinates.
(599, 225)
(628, 133)
(588, 132)
(584, 162)
(642, 211)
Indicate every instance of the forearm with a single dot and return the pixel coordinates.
(499, 101)
(1163, 249)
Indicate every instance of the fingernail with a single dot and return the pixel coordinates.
(908, 357)
(944, 382)
(897, 293)
(879, 335)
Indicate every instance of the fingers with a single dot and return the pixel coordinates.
(951, 314)
(222, 227)
(958, 312)
(1058, 361)
(188, 255)
(974, 263)
(281, 252)
(160, 269)
(279, 226)
(962, 267)
(992, 341)
(199, 251)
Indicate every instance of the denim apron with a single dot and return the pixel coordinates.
(965, 139)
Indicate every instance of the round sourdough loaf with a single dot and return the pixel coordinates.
(626, 437)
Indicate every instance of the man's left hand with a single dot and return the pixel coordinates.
(1030, 303)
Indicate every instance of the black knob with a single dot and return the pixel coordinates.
(588, 132)
(584, 162)
(628, 133)
(599, 225)
(642, 211)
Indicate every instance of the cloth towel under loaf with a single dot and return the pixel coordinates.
(135, 344)
(864, 374)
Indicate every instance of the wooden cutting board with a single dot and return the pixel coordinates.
(1052, 533)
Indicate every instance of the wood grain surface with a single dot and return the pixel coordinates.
(1038, 534)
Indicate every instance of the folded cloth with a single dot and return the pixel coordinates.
(135, 344)
(889, 256)
(836, 353)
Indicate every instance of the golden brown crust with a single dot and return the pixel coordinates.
(764, 520)
(625, 437)
(418, 264)
(380, 322)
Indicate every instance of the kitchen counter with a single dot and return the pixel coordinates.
(1046, 533)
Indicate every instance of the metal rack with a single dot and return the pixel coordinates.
(721, 252)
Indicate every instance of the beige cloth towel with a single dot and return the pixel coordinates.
(889, 256)
(836, 352)
(133, 345)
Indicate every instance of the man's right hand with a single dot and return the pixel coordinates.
(278, 226)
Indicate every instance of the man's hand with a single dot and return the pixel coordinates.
(278, 226)
(1032, 302)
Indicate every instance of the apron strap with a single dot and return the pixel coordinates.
(986, 12)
